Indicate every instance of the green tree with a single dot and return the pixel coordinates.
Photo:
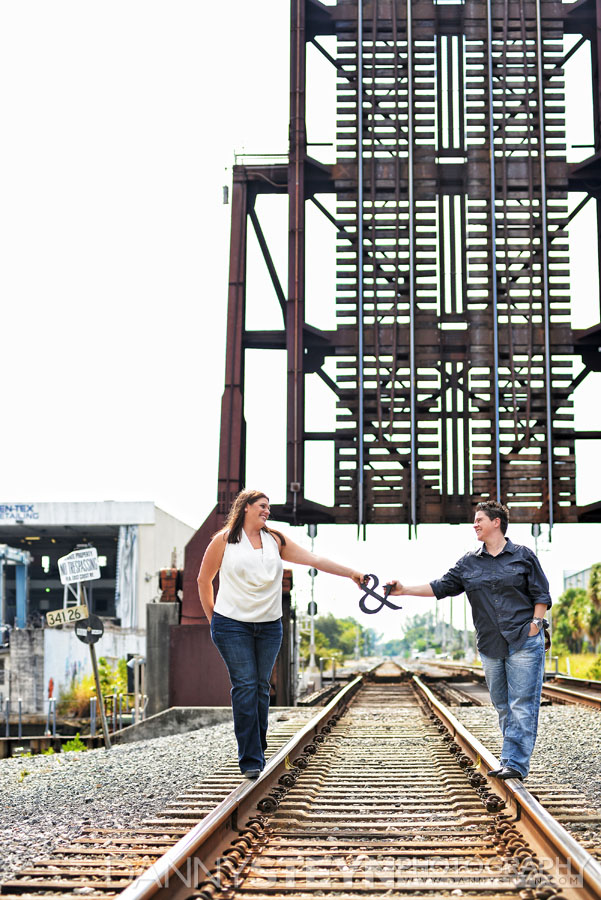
(395, 647)
(594, 615)
(420, 635)
(370, 641)
(341, 635)
(416, 629)
(570, 620)
(330, 627)
(348, 636)
(322, 647)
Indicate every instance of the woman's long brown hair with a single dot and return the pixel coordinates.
(235, 519)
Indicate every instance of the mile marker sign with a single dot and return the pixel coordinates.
(81, 565)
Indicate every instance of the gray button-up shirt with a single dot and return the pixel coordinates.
(502, 591)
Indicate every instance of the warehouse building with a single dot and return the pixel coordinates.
(133, 540)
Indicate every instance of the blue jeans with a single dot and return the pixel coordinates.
(515, 684)
(249, 650)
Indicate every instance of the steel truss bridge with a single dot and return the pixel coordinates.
(454, 352)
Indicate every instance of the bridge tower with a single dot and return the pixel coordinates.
(454, 349)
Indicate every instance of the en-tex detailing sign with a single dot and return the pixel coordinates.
(14, 512)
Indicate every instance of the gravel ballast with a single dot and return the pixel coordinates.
(46, 800)
(568, 746)
(567, 754)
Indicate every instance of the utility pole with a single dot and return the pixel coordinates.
(313, 670)
(536, 533)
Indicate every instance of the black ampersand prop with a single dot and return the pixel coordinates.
(371, 592)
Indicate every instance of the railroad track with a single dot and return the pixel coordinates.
(563, 689)
(382, 793)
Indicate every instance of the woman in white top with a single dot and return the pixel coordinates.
(246, 616)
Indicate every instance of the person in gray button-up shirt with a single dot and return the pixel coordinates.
(509, 595)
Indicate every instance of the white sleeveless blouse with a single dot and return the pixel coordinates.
(250, 581)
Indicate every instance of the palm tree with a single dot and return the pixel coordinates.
(578, 620)
(569, 621)
(594, 597)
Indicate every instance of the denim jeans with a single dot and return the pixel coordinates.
(249, 650)
(515, 684)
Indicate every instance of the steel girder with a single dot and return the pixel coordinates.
(464, 353)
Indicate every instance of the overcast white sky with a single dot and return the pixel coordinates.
(120, 124)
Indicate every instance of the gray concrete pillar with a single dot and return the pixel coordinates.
(159, 619)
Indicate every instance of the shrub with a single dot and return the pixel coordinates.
(75, 700)
(112, 681)
(595, 670)
(75, 743)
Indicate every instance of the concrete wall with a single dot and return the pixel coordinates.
(155, 546)
(25, 676)
(65, 656)
(177, 720)
(4, 670)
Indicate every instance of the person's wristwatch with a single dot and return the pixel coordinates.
(538, 622)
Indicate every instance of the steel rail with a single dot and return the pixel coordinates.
(476, 671)
(209, 861)
(493, 254)
(167, 876)
(545, 256)
(565, 695)
(552, 691)
(360, 274)
(412, 277)
(544, 832)
(575, 681)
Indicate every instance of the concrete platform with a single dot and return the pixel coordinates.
(176, 720)
(179, 719)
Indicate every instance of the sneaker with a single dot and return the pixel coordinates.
(509, 772)
(251, 773)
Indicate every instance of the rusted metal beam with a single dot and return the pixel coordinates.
(232, 443)
(295, 316)
(268, 261)
(457, 208)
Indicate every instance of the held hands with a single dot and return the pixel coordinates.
(397, 588)
(371, 594)
(359, 579)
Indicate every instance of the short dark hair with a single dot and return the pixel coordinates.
(495, 510)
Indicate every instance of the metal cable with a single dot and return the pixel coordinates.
(493, 255)
(545, 258)
(411, 203)
(360, 374)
